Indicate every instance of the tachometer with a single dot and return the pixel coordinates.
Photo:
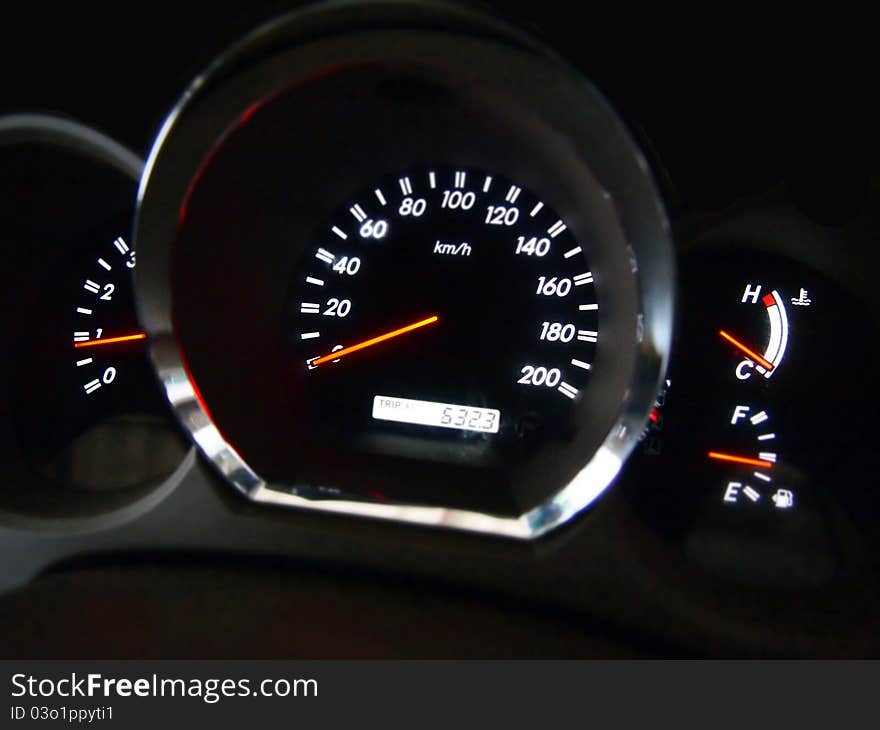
(91, 434)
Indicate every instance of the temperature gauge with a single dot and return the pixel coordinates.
(771, 325)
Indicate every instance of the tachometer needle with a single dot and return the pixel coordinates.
(741, 460)
(755, 356)
(374, 341)
(111, 340)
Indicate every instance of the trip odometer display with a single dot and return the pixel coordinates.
(445, 306)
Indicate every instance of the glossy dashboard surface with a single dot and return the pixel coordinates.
(767, 167)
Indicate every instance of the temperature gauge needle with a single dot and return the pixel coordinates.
(111, 340)
(753, 355)
(374, 341)
(740, 459)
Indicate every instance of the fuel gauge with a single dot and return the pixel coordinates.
(749, 460)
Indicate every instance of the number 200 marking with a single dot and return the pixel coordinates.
(539, 376)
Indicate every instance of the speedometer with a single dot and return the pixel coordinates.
(399, 261)
(450, 306)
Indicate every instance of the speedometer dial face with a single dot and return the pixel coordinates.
(404, 274)
(450, 310)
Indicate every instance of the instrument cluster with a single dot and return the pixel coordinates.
(396, 283)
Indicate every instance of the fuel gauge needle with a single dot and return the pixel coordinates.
(751, 353)
(111, 340)
(374, 341)
(740, 459)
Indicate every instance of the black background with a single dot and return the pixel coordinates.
(728, 101)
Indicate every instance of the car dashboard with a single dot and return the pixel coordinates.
(420, 329)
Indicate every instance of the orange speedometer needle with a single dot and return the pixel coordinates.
(755, 356)
(374, 341)
(111, 340)
(740, 459)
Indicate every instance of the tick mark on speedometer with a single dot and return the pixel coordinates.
(325, 256)
(556, 229)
